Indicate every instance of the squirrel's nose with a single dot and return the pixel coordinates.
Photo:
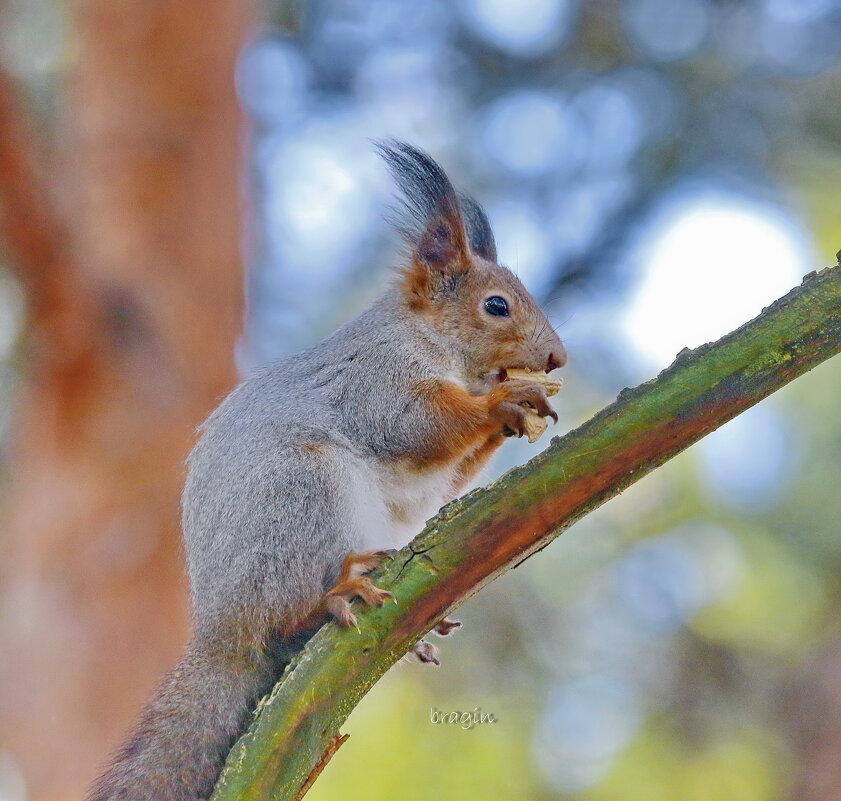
(557, 358)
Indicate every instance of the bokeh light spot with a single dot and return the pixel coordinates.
(525, 28)
(668, 30)
(587, 721)
(272, 80)
(748, 460)
(529, 133)
(713, 264)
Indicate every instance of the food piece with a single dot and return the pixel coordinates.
(553, 385)
(535, 425)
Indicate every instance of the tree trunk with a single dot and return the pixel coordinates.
(133, 321)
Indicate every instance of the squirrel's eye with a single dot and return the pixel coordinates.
(496, 306)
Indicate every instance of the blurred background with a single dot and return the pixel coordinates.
(656, 171)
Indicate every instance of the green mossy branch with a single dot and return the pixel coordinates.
(491, 530)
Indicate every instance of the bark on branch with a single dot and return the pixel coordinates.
(491, 530)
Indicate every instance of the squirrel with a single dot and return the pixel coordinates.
(318, 464)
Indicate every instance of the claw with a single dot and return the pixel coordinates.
(340, 609)
(337, 600)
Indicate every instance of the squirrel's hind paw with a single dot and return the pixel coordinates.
(337, 600)
(444, 627)
(426, 652)
(340, 610)
(371, 595)
(353, 584)
(356, 564)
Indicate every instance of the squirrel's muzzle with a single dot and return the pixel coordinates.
(557, 358)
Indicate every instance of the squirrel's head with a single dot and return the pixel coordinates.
(453, 280)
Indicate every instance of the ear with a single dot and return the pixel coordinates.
(430, 221)
(479, 233)
(442, 244)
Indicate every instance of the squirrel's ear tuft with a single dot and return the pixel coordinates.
(430, 218)
(479, 233)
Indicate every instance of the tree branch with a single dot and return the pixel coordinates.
(491, 530)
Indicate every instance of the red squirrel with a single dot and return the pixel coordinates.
(318, 463)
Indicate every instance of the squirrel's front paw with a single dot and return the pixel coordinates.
(511, 400)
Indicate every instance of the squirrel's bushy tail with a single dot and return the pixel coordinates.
(178, 747)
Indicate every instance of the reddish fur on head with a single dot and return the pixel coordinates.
(438, 257)
(452, 271)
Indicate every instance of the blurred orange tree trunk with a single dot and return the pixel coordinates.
(128, 246)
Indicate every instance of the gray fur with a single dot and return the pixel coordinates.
(292, 472)
(249, 475)
(267, 522)
(180, 742)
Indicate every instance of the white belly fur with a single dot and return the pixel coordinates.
(392, 502)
